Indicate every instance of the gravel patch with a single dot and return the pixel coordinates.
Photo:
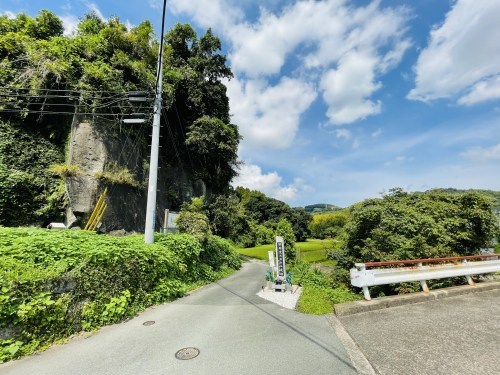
(287, 299)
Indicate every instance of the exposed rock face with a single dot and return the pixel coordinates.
(92, 148)
(88, 151)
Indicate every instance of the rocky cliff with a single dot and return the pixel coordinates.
(95, 149)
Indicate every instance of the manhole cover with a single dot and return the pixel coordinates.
(148, 323)
(187, 353)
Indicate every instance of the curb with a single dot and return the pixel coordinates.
(358, 359)
(356, 307)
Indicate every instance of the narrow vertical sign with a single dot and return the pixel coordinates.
(280, 257)
(271, 259)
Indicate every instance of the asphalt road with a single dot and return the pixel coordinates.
(235, 331)
(450, 336)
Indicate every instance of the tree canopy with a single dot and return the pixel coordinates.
(403, 225)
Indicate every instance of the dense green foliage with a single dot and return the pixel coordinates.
(328, 225)
(28, 191)
(249, 218)
(55, 283)
(48, 81)
(433, 224)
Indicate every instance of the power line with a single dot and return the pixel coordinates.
(65, 90)
(60, 113)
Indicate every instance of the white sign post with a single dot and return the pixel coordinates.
(280, 282)
(271, 259)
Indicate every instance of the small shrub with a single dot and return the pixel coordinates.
(193, 223)
(218, 252)
(118, 175)
(65, 170)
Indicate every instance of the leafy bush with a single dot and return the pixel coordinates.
(328, 225)
(264, 235)
(218, 252)
(55, 283)
(28, 192)
(17, 190)
(193, 223)
(413, 226)
(318, 296)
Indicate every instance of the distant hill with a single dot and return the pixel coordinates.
(321, 208)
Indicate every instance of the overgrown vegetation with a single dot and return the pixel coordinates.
(56, 283)
(403, 225)
(318, 296)
(92, 72)
(65, 170)
(115, 174)
(328, 225)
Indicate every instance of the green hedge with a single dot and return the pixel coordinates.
(56, 283)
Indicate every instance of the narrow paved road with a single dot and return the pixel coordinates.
(235, 331)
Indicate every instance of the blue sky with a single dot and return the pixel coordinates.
(339, 101)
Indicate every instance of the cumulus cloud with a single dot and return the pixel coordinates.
(268, 116)
(463, 56)
(251, 177)
(345, 89)
(483, 153)
(218, 14)
(70, 23)
(342, 47)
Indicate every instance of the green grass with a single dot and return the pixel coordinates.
(318, 300)
(311, 251)
(314, 301)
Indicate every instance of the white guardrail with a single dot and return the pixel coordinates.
(363, 278)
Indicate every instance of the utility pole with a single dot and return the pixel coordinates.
(149, 229)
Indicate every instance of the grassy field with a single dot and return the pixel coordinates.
(311, 251)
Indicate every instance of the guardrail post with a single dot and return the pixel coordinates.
(469, 278)
(423, 283)
(366, 291)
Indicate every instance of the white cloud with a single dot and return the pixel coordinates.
(268, 116)
(343, 133)
(488, 89)
(155, 4)
(217, 14)
(482, 153)
(343, 43)
(399, 160)
(377, 133)
(93, 7)
(129, 25)
(345, 89)
(463, 55)
(251, 177)
(10, 15)
(69, 23)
